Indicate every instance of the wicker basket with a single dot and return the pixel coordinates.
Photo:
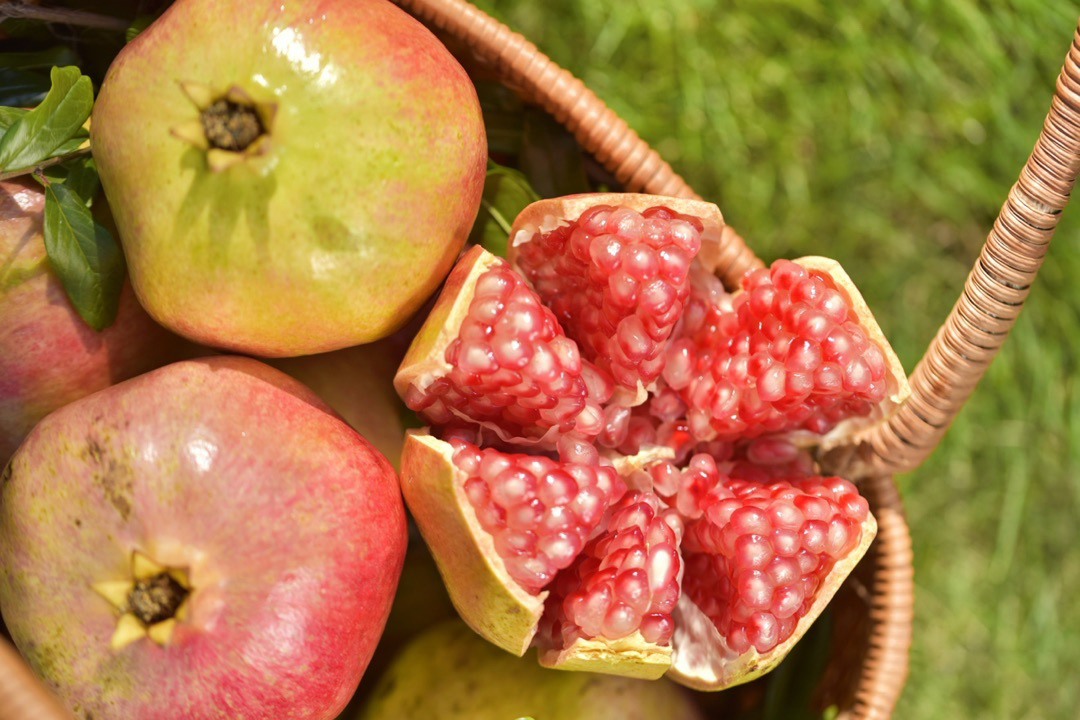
(873, 615)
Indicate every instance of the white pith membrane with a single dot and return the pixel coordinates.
(481, 587)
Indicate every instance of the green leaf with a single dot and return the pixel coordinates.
(84, 256)
(137, 25)
(82, 178)
(37, 134)
(506, 193)
(10, 115)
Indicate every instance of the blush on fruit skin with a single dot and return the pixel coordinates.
(48, 355)
(291, 527)
(350, 219)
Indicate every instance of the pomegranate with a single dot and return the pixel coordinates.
(588, 483)
(205, 538)
(486, 684)
(288, 178)
(48, 355)
(356, 383)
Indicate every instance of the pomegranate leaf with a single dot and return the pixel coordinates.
(9, 115)
(85, 257)
(506, 193)
(38, 134)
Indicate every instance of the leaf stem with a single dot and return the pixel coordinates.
(66, 16)
(44, 164)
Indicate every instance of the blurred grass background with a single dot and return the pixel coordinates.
(887, 135)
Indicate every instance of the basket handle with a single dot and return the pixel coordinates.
(994, 292)
(595, 127)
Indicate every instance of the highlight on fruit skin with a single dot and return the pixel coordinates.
(619, 467)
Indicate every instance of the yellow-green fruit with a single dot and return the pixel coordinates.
(451, 673)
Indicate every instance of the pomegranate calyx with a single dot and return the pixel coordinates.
(630, 656)
(480, 587)
(702, 659)
(150, 602)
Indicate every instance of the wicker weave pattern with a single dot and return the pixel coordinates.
(995, 290)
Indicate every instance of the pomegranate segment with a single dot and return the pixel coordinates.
(759, 553)
(505, 362)
(539, 512)
(790, 352)
(617, 280)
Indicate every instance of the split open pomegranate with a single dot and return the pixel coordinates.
(618, 466)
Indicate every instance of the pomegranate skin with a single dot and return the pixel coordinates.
(289, 526)
(48, 355)
(351, 212)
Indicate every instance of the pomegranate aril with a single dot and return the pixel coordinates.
(759, 553)
(629, 279)
(628, 573)
(537, 511)
(786, 355)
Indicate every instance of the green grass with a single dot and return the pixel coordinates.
(887, 135)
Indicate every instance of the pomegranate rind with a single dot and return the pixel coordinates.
(543, 216)
(481, 589)
(851, 430)
(702, 659)
(425, 360)
(630, 656)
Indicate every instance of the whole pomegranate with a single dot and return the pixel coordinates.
(48, 355)
(486, 684)
(288, 178)
(618, 468)
(205, 540)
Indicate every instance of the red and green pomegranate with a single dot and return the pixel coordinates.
(205, 540)
(618, 467)
(48, 355)
(288, 178)
(447, 672)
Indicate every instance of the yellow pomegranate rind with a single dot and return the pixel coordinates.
(702, 659)
(481, 589)
(631, 656)
(425, 360)
(543, 216)
(897, 390)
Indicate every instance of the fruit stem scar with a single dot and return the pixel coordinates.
(156, 598)
(230, 125)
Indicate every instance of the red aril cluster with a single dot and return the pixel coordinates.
(538, 511)
(788, 354)
(617, 280)
(723, 510)
(759, 553)
(626, 579)
(513, 368)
